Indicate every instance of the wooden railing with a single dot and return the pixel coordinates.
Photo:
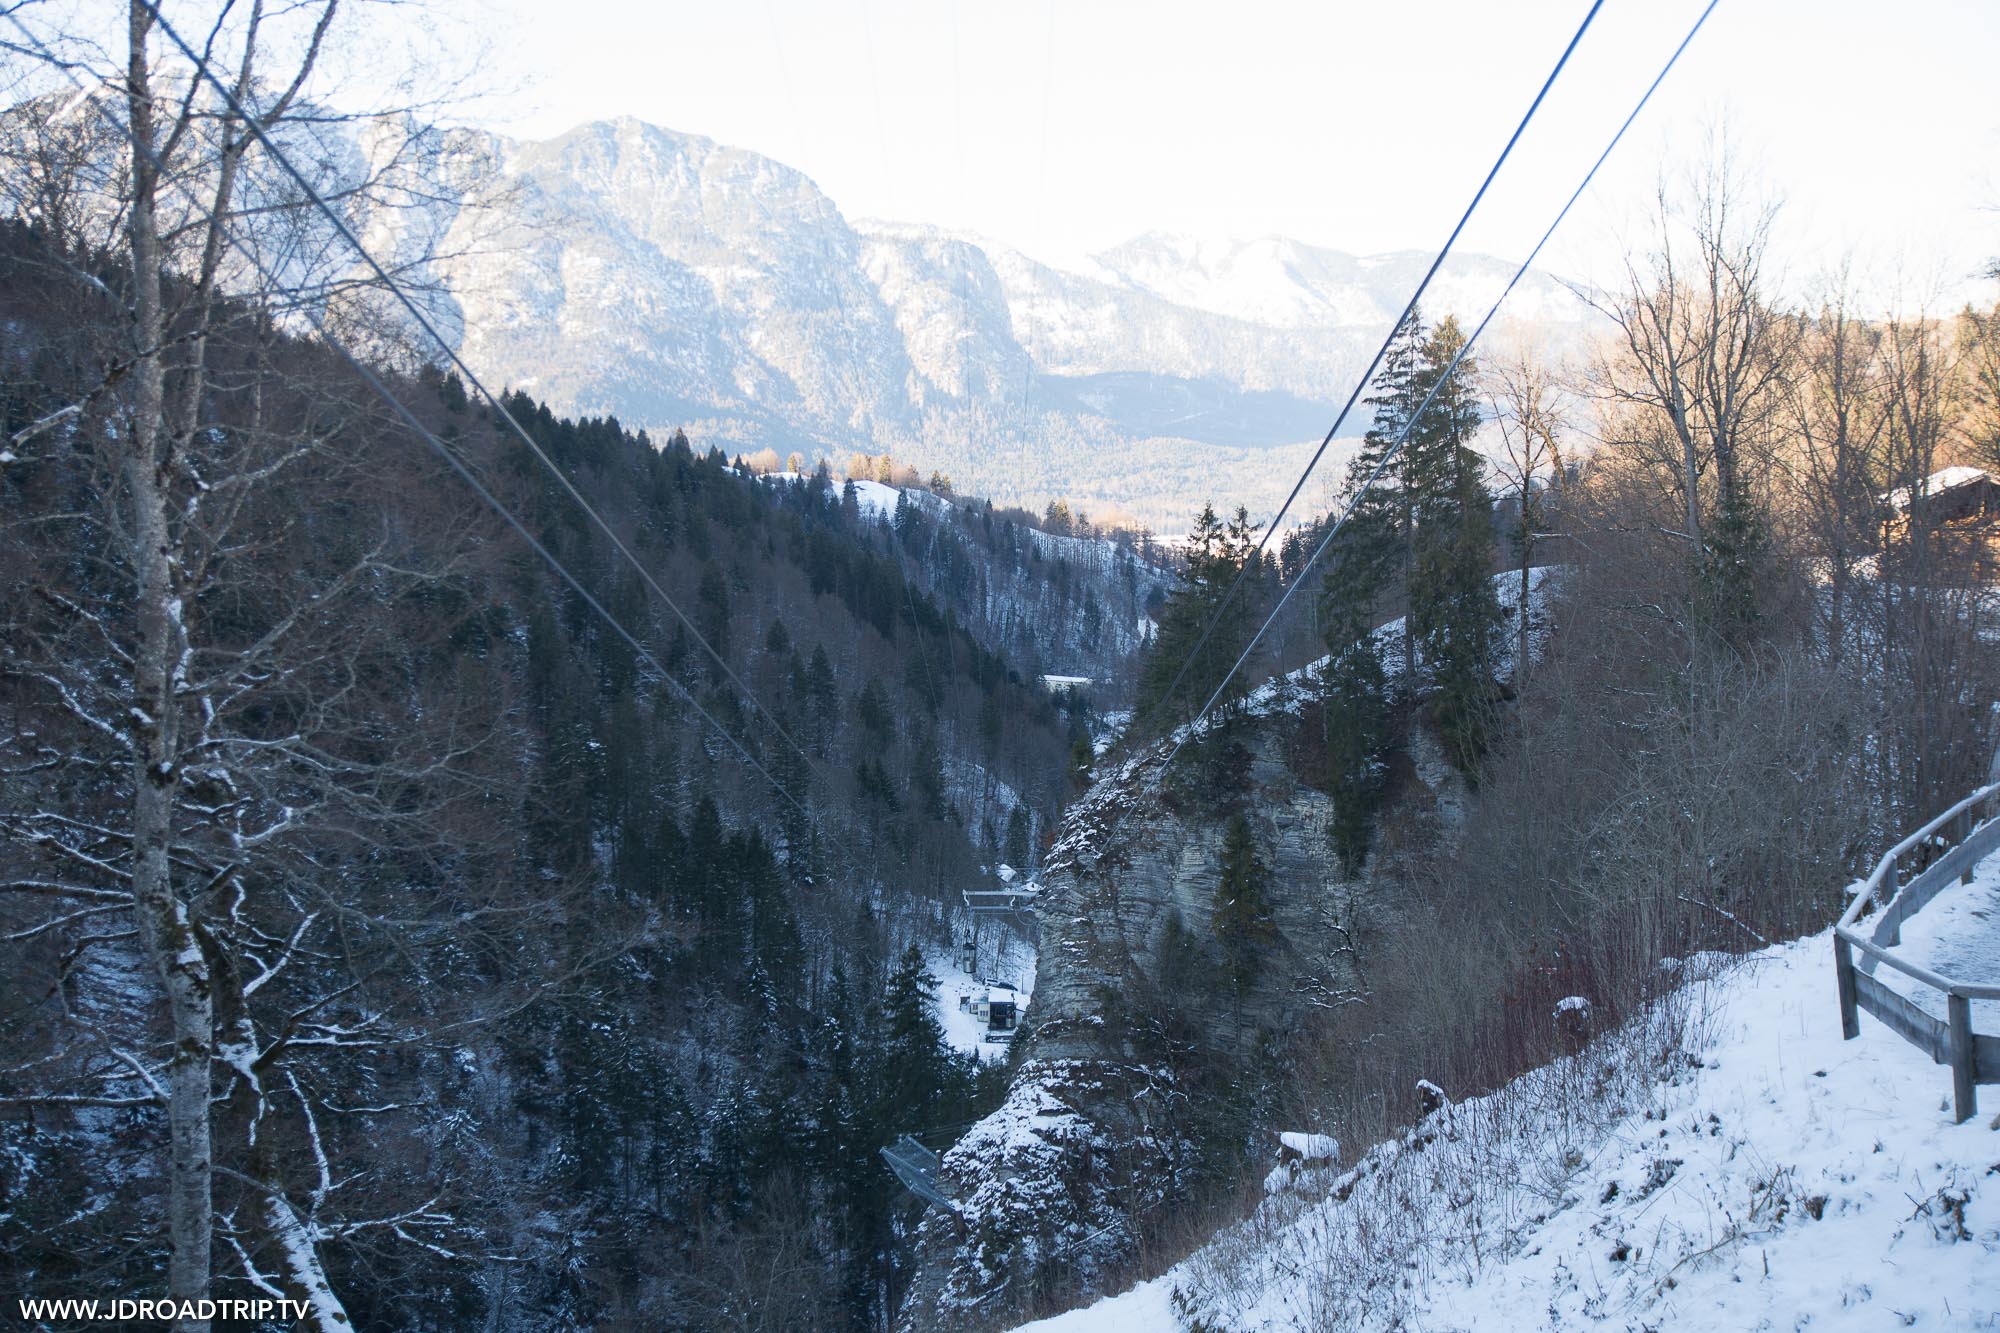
(1974, 1057)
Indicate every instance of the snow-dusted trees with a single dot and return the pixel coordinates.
(146, 699)
(321, 798)
(218, 741)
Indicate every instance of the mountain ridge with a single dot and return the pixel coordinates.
(670, 279)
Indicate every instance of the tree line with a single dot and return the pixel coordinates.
(1746, 649)
(385, 928)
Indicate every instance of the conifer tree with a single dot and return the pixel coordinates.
(1216, 552)
(1377, 545)
(1243, 924)
(1019, 834)
(915, 1070)
(1354, 713)
(822, 698)
(712, 609)
(1454, 612)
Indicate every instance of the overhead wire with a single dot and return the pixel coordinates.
(416, 312)
(1333, 531)
(374, 382)
(1374, 364)
(257, 130)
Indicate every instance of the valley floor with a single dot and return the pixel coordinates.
(1791, 1181)
(1005, 957)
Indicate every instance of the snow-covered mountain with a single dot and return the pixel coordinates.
(629, 270)
(1279, 282)
(667, 279)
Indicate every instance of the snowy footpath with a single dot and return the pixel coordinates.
(1783, 1179)
(1957, 934)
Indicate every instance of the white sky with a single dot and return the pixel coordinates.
(1064, 126)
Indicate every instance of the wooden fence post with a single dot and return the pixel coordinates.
(1963, 1053)
(1843, 975)
(1889, 887)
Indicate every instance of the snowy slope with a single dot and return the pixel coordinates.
(1781, 1179)
(1958, 935)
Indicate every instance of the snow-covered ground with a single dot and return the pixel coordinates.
(1779, 1179)
(1956, 935)
(1006, 955)
(874, 498)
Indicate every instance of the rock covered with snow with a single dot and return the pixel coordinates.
(1033, 1188)
(1310, 1147)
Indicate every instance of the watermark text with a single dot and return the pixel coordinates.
(73, 1310)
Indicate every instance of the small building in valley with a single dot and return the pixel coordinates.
(997, 1005)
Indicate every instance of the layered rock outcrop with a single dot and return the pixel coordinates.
(1103, 1131)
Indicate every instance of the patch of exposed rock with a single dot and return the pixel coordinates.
(1096, 1144)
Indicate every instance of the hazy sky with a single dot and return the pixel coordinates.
(1063, 126)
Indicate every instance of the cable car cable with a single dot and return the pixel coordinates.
(1369, 374)
(423, 321)
(1334, 530)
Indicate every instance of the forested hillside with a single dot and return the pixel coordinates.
(1729, 638)
(531, 1000)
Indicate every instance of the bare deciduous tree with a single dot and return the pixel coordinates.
(1836, 421)
(226, 733)
(1698, 352)
(1526, 398)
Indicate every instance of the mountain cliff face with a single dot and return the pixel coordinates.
(621, 269)
(624, 269)
(1138, 1088)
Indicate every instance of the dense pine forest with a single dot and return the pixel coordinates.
(597, 988)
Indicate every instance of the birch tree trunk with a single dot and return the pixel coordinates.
(165, 930)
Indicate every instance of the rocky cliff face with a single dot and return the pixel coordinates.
(1109, 1122)
(623, 268)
